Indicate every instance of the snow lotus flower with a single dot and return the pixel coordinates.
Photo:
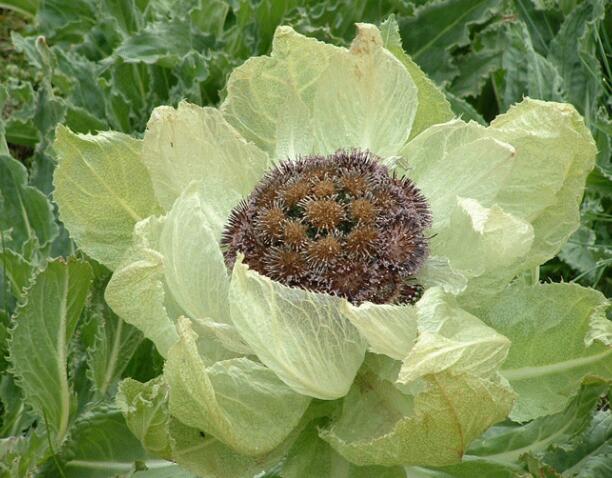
(338, 272)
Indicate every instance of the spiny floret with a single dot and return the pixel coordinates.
(338, 224)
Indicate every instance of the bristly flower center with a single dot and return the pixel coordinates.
(338, 224)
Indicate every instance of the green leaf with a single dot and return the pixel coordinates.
(114, 345)
(83, 88)
(193, 143)
(16, 415)
(475, 68)
(25, 7)
(162, 470)
(162, 43)
(464, 110)
(559, 337)
(19, 455)
(573, 52)
(527, 73)
(301, 335)
(126, 14)
(580, 251)
(508, 441)
(102, 189)
(538, 468)
(588, 454)
(210, 15)
(469, 469)
(24, 211)
(543, 21)
(437, 27)
(433, 107)
(16, 272)
(44, 326)
(4, 151)
(311, 456)
(100, 445)
(66, 20)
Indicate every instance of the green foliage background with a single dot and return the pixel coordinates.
(105, 64)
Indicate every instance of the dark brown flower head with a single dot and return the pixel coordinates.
(338, 224)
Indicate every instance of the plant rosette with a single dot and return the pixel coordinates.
(337, 272)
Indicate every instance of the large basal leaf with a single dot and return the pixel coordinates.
(468, 469)
(4, 151)
(44, 326)
(560, 336)
(464, 110)
(508, 441)
(543, 19)
(162, 43)
(19, 455)
(113, 345)
(16, 271)
(573, 52)
(587, 455)
(102, 189)
(25, 7)
(527, 73)
(475, 67)
(100, 445)
(437, 27)
(66, 20)
(25, 212)
(312, 457)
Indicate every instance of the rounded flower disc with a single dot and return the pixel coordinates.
(331, 207)
(337, 224)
